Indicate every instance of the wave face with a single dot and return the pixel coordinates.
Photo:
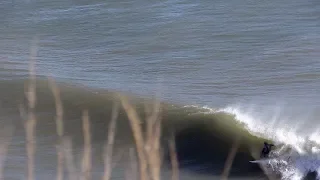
(203, 135)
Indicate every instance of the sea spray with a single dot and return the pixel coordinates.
(303, 157)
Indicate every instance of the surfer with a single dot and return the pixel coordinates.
(266, 150)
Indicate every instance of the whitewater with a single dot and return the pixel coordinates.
(303, 156)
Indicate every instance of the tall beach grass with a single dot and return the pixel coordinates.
(147, 151)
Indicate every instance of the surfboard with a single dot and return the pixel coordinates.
(285, 157)
(262, 160)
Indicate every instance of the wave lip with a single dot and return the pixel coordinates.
(303, 156)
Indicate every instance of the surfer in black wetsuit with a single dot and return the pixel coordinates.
(266, 150)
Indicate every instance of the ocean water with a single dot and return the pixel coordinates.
(213, 64)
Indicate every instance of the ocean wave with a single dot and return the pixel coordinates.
(203, 135)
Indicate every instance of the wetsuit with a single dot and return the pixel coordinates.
(266, 150)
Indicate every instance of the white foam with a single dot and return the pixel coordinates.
(282, 130)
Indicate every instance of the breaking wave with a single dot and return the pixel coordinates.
(203, 135)
(297, 153)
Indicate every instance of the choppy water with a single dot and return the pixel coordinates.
(258, 61)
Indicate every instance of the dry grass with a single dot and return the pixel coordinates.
(174, 159)
(137, 133)
(86, 160)
(30, 123)
(110, 142)
(147, 143)
(60, 128)
(229, 161)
